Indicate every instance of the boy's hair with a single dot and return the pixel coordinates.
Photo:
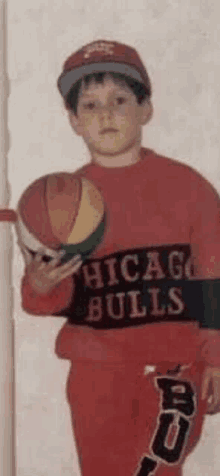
(139, 90)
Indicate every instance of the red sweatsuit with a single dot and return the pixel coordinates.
(135, 380)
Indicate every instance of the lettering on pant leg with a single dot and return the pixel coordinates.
(181, 399)
(170, 455)
(147, 466)
(174, 421)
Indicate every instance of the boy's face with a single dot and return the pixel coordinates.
(109, 117)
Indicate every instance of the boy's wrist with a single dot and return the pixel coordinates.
(49, 303)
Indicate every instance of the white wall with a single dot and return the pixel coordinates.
(179, 41)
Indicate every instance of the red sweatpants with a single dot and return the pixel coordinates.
(132, 420)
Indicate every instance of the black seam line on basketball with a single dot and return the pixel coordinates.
(86, 247)
(46, 204)
(78, 201)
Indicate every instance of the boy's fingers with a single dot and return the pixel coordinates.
(77, 266)
(68, 272)
(60, 273)
(74, 259)
(26, 253)
(55, 261)
(70, 269)
(69, 264)
(39, 256)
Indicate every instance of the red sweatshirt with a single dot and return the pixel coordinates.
(157, 208)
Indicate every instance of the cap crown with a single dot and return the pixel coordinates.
(99, 56)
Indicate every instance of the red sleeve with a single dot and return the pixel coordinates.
(205, 229)
(46, 304)
(211, 347)
(205, 242)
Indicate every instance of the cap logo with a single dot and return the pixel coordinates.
(99, 47)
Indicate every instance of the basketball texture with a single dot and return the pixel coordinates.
(61, 211)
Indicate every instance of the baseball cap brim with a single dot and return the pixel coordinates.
(68, 78)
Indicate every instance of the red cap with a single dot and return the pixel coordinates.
(102, 56)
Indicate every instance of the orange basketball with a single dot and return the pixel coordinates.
(61, 211)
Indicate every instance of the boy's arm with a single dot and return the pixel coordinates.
(205, 244)
(211, 379)
(47, 288)
(205, 241)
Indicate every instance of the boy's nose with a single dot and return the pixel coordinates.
(106, 112)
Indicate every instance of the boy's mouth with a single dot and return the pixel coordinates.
(107, 131)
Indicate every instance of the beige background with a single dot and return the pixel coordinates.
(179, 42)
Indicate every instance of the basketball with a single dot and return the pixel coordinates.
(61, 212)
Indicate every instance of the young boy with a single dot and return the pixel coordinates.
(142, 376)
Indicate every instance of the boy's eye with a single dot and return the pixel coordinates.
(89, 106)
(120, 100)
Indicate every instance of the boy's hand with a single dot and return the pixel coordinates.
(44, 276)
(211, 389)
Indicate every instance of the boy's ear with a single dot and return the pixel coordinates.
(146, 112)
(74, 122)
